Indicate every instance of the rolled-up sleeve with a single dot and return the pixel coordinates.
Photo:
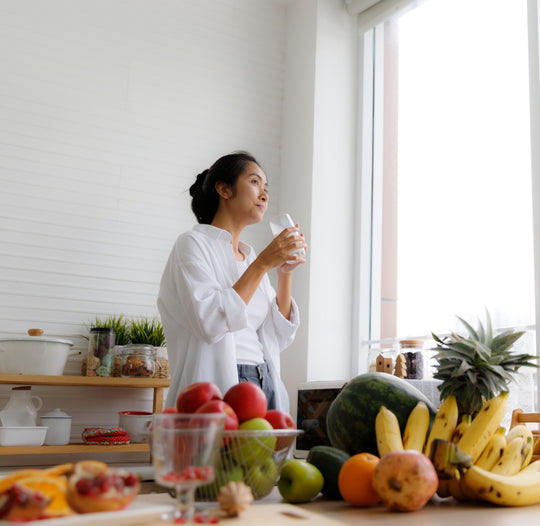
(285, 329)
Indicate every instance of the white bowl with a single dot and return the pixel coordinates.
(23, 436)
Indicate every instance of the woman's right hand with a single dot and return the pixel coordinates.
(278, 252)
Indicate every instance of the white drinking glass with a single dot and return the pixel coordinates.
(278, 224)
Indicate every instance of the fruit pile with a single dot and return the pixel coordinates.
(483, 463)
(67, 489)
(256, 440)
(422, 453)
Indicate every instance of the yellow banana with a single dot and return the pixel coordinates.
(444, 424)
(443, 490)
(414, 436)
(511, 459)
(483, 426)
(533, 467)
(387, 432)
(522, 489)
(523, 431)
(527, 452)
(493, 450)
(461, 428)
(457, 489)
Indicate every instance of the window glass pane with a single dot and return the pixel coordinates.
(464, 210)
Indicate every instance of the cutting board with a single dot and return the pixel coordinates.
(258, 514)
(279, 515)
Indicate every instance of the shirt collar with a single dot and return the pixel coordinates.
(221, 235)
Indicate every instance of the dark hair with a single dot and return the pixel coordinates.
(226, 169)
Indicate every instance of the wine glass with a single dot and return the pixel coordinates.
(185, 450)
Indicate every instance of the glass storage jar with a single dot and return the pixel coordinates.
(138, 360)
(100, 351)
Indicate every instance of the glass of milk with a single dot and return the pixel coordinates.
(280, 223)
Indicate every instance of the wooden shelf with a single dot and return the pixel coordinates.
(73, 448)
(95, 381)
(157, 384)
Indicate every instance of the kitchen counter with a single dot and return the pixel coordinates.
(272, 510)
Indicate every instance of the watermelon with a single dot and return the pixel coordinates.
(350, 421)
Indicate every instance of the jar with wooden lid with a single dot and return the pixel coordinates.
(414, 358)
(138, 361)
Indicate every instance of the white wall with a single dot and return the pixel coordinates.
(108, 111)
(319, 130)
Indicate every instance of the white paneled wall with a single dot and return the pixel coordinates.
(108, 110)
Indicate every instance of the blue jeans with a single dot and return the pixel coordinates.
(259, 375)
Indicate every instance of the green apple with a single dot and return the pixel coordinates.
(223, 475)
(299, 481)
(249, 450)
(261, 477)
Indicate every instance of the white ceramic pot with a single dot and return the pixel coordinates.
(59, 427)
(34, 355)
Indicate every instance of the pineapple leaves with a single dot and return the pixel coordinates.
(505, 340)
(478, 366)
(489, 330)
(473, 334)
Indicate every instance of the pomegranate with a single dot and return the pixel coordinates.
(92, 491)
(22, 504)
(405, 480)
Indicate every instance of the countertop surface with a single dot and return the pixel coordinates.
(439, 512)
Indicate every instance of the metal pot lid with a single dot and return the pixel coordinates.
(56, 413)
(34, 339)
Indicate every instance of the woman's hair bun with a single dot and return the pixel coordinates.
(197, 187)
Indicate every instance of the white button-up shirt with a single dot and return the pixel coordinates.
(201, 312)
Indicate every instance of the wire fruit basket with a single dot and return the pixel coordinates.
(253, 457)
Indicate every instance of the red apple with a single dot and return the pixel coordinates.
(247, 400)
(219, 406)
(195, 395)
(281, 420)
(170, 410)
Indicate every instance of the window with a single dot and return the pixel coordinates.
(452, 216)
(455, 218)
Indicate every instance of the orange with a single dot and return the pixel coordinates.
(7, 481)
(355, 478)
(51, 487)
(60, 469)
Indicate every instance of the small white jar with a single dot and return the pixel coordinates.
(59, 427)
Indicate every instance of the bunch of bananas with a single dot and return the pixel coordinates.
(474, 458)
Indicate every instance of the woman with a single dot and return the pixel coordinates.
(223, 321)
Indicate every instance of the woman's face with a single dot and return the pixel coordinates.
(250, 195)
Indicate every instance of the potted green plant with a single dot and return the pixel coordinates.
(139, 357)
(147, 331)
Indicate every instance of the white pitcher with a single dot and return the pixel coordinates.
(22, 408)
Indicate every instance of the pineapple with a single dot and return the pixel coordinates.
(479, 366)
